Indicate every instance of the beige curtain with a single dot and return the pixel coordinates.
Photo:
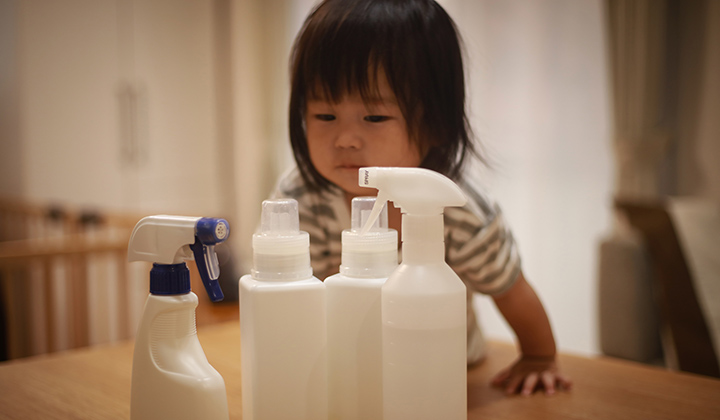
(637, 32)
(656, 50)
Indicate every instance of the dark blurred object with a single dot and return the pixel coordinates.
(3, 327)
(89, 218)
(629, 325)
(683, 324)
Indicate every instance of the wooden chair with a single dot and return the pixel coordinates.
(64, 275)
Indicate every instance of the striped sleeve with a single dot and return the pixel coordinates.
(479, 245)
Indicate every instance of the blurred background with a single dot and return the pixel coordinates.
(596, 116)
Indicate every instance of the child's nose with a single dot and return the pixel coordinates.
(348, 138)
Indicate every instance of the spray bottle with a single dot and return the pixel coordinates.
(282, 323)
(354, 321)
(171, 377)
(424, 314)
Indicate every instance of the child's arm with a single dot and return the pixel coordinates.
(536, 366)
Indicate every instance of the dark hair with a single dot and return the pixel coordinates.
(342, 46)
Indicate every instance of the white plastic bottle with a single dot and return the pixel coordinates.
(282, 323)
(423, 302)
(171, 377)
(353, 305)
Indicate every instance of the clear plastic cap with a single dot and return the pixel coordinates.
(360, 210)
(373, 254)
(280, 217)
(281, 250)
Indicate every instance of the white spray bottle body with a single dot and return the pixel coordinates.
(354, 317)
(283, 323)
(424, 342)
(424, 314)
(171, 376)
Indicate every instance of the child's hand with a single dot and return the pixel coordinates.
(528, 373)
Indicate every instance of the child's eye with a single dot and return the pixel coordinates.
(376, 118)
(325, 117)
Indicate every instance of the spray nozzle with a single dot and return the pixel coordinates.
(416, 191)
(170, 240)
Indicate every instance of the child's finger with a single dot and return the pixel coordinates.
(514, 384)
(501, 377)
(548, 380)
(563, 381)
(530, 383)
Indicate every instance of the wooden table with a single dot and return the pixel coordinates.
(95, 384)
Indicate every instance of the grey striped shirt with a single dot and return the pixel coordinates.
(478, 243)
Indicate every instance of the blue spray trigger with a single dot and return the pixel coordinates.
(209, 231)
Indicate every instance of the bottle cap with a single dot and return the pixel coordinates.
(169, 279)
(374, 254)
(281, 250)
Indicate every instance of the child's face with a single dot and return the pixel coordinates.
(343, 137)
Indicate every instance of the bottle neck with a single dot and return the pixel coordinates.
(281, 257)
(269, 267)
(423, 239)
(372, 255)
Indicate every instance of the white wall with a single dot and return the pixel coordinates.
(69, 64)
(540, 106)
(262, 36)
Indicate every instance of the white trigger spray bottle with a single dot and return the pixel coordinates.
(353, 317)
(424, 313)
(171, 377)
(282, 323)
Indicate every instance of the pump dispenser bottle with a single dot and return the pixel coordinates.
(353, 304)
(282, 323)
(171, 377)
(424, 314)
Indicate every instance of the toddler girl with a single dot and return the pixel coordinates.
(381, 83)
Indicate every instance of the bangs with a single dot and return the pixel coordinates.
(361, 80)
(345, 54)
(343, 60)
